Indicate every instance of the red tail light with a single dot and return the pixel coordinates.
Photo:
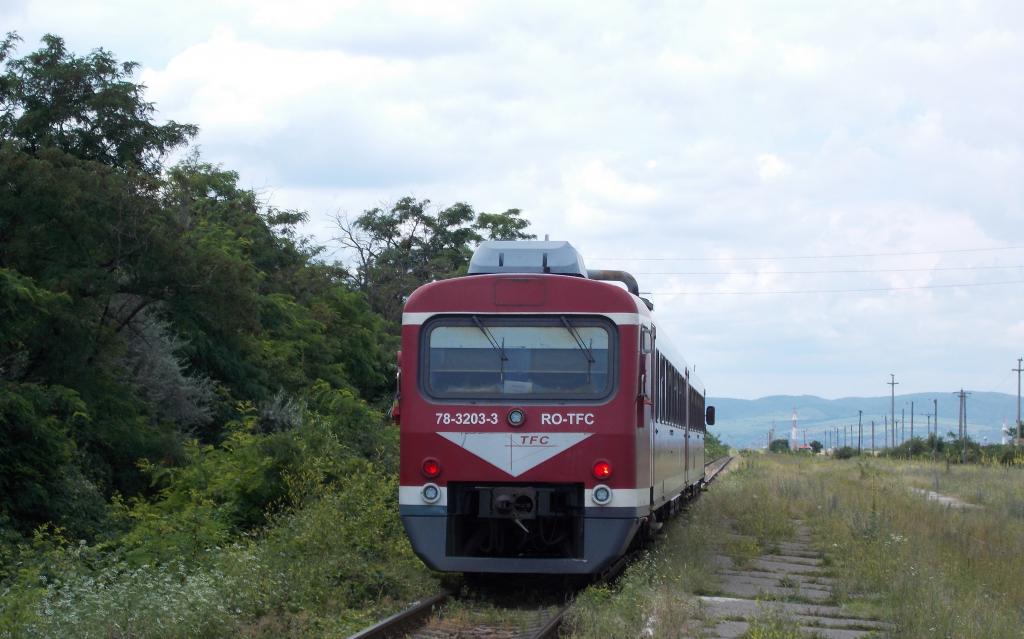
(602, 469)
(431, 468)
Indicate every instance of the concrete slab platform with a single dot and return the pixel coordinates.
(734, 629)
(790, 580)
(734, 607)
(798, 550)
(783, 567)
(753, 586)
(739, 587)
(804, 580)
(795, 559)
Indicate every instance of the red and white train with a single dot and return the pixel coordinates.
(545, 420)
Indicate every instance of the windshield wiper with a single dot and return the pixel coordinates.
(490, 338)
(579, 341)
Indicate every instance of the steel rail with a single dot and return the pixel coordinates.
(710, 478)
(550, 629)
(394, 625)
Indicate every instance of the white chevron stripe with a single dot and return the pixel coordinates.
(515, 453)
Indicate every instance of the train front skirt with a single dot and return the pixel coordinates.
(601, 536)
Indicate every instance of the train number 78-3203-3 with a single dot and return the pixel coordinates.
(462, 419)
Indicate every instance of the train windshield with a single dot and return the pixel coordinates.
(552, 357)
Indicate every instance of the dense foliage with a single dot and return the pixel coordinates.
(779, 446)
(190, 392)
(143, 305)
(713, 447)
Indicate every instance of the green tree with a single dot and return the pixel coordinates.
(87, 107)
(503, 226)
(779, 446)
(157, 298)
(400, 248)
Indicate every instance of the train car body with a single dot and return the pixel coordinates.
(544, 420)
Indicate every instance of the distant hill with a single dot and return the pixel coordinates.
(745, 422)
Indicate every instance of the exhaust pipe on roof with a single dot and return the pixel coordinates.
(620, 276)
(615, 276)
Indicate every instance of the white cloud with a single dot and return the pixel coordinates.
(771, 167)
(716, 130)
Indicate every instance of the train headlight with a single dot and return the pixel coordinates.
(602, 495)
(430, 493)
(516, 417)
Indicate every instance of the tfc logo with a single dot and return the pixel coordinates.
(534, 440)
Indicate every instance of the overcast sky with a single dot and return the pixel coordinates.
(878, 145)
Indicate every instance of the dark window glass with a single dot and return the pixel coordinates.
(660, 399)
(519, 358)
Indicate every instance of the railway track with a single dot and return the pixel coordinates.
(538, 615)
(713, 468)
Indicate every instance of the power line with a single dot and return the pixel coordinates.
(806, 257)
(836, 271)
(836, 290)
(997, 388)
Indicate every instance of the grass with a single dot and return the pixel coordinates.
(771, 624)
(645, 600)
(934, 571)
(930, 570)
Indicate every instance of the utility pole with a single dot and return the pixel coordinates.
(963, 425)
(1020, 425)
(860, 429)
(872, 437)
(892, 405)
(960, 415)
(911, 421)
(963, 428)
(935, 442)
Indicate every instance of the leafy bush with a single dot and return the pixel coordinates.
(845, 452)
(333, 564)
(222, 490)
(713, 447)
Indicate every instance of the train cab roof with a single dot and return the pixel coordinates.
(523, 293)
(530, 276)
